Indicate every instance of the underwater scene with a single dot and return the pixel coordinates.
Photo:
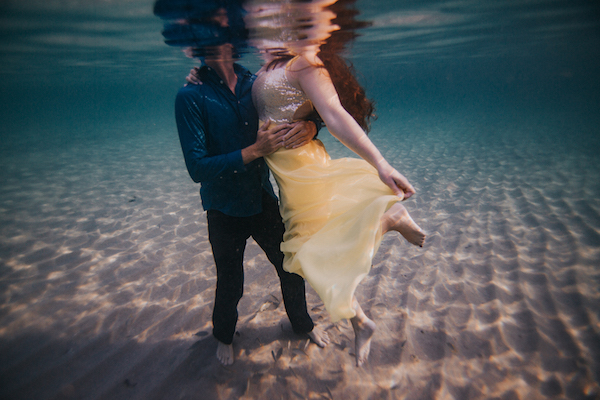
(107, 280)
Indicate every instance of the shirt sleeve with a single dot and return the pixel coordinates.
(192, 136)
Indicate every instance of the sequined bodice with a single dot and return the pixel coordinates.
(274, 96)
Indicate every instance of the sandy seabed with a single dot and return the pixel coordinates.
(107, 279)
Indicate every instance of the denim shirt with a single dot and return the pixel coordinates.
(214, 126)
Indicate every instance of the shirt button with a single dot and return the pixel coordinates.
(221, 82)
(246, 123)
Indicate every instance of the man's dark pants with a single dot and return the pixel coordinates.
(227, 236)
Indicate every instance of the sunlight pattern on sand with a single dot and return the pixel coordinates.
(107, 277)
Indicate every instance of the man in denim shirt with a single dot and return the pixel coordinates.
(223, 150)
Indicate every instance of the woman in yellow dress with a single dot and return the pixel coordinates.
(335, 211)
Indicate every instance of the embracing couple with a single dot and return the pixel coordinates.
(235, 126)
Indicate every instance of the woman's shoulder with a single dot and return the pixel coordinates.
(304, 61)
(302, 66)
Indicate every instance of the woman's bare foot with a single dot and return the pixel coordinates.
(363, 332)
(319, 336)
(225, 353)
(364, 329)
(398, 219)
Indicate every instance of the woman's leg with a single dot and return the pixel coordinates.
(364, 329)
(398, 219)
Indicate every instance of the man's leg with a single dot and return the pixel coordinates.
(268, 232)
(227, 237)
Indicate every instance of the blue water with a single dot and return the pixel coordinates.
(69, 67)
(491, 109)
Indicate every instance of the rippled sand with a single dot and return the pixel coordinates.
(107, 280)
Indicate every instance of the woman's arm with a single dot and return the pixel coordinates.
(317, 85)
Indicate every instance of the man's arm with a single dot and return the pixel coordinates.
(192, 136)
(267, 142)
(301, 133)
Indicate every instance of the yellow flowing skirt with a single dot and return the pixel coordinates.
(332, 213)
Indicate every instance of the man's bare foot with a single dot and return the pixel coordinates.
(225, 353)
(319, 336)
(398, 219)
(363, 332)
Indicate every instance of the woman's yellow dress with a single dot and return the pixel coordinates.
(331, 208)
